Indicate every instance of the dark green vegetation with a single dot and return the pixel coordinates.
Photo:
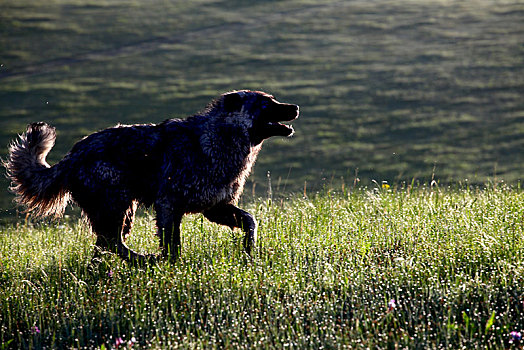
(325, 273)
(393, 89)
(398, 90)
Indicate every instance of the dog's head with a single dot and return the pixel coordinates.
(264, 114)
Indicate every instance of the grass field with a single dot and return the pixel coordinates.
(391, 88)
(399, 91)
(373, 268)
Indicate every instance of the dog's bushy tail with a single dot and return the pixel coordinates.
(37, 186)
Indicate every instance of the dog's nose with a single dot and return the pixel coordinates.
(297, 109)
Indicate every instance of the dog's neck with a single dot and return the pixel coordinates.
(230, 154)
(228, 145)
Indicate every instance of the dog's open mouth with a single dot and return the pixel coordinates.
(278, 128)
(275, 122)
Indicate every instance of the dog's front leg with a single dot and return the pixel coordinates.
(168, 230)
(230, 215)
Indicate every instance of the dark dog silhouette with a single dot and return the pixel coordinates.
(197, 165)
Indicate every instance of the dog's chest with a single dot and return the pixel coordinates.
(223, 195)
(206, 197)
(222, 185)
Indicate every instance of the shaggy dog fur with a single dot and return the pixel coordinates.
(197, 165)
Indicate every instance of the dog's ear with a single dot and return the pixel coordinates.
(232, 102)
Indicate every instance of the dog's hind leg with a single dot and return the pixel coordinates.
(230, 215)
(168, 230)
(110, 227)
(129, 218)
(122, 248)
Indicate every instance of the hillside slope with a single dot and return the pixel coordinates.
(398, 90)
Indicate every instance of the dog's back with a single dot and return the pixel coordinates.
(122, 159)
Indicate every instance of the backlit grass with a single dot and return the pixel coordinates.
(376, 267)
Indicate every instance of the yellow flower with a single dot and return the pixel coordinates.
(385, 186)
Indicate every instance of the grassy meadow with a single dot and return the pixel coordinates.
(370, 268)
(405, 92)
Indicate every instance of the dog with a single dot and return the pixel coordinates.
(196, 165)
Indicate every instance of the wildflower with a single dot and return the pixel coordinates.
(385, 186)
(392, 304)
(110, 273)
(119, 341)
(131, 342)
(35, 330)
(515, 337)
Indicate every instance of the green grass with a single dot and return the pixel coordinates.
(391, 88)
(325, 269)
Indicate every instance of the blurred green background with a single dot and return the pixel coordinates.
(390, 90)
